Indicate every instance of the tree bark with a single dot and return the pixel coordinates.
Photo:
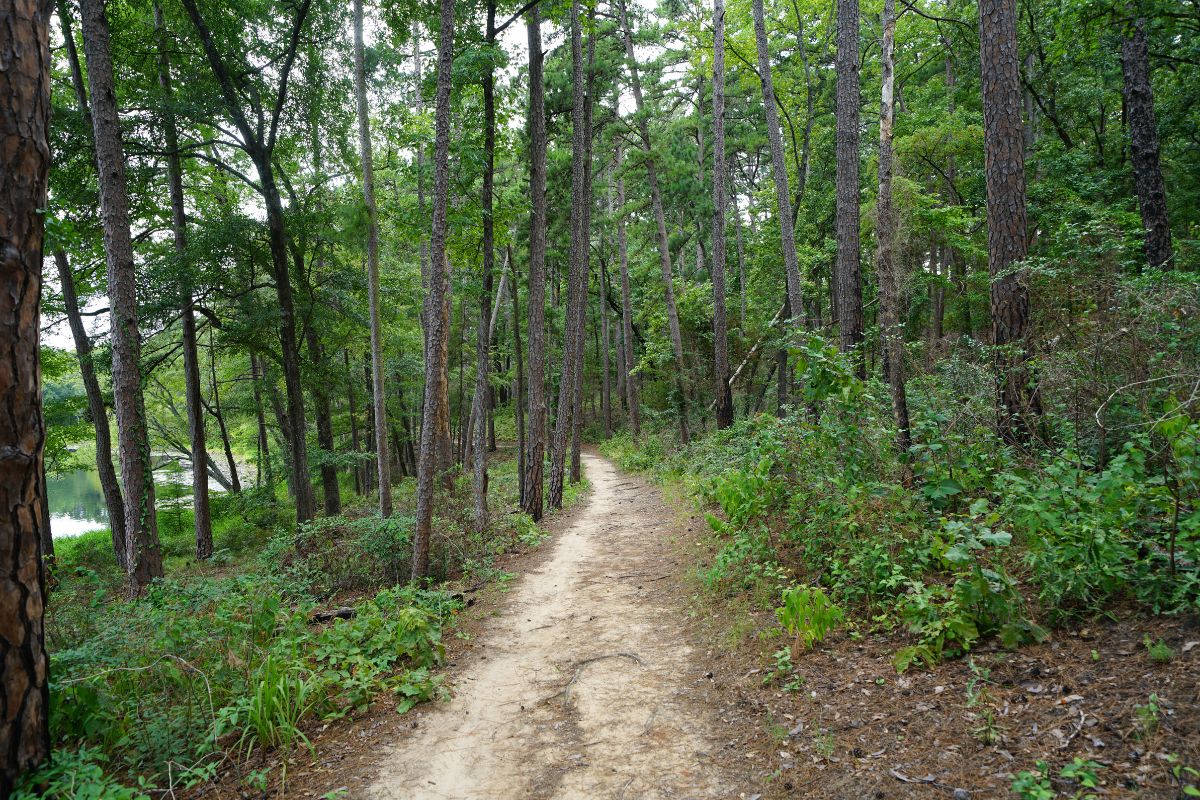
(577, 276)
(536, 317)
(264, 446)
(891, 331)
(1004, 168)
(97, 411)
(630, 362)
(379, 397)
(664, 245)
(720, 325)
(201, 511)
(437, 301)
(24, 168)
(1143, 143)
(141, 526)
(849, 270)
(795, 287)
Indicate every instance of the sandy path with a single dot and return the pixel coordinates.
(582, 687)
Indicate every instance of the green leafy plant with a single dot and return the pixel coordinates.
(1159, 652)
(808, 615)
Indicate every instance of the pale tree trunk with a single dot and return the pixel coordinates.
(234, 480)
(664, 245)
(141, 526)
(741, 258)
(1004, 169)
(383, 468)
(795, 288)
(849, 269)
(720, 325)
(437, 301)
(191, 359)
(1143, 141)
(355, 444)
(110, 486)
(631, 383)
(577, 276)
(536, 318)
(24, 168)
(586, 224)
(605, 367)
(891, 331)
(264, 444)
(519, 398)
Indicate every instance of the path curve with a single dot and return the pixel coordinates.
(582, 687)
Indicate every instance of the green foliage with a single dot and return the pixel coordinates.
(807, 614)
(74, 775)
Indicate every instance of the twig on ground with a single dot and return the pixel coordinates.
(579, 667)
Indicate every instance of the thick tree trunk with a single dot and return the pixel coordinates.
(24, 167)
(630, 362)
(536, 318)
(1143, 143)
(795, 287)
(664, 245)
(724, 395)
(437, 301)
(891, 331)
(1004, 167)
(378, 392)
(849, 270)
(201, 512)
(141, 526)
(577, 277)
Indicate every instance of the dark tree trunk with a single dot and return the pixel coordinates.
(1004, 167)
(891, 331)
(724, 396)
(849, 270)
(24, 167)
(779, 166)
(437, 301)
(201, 512)
(379, 397)
(234, 481)
(664, 245)
(331, 493)
(536, 319)
(1143, 143)
(141, 526)
(577, 277)
(631, 381)
(605, 367)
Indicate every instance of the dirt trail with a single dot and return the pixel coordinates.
(582, 687)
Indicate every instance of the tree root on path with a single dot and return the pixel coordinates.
(565, 692)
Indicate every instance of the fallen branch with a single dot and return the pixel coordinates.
(345, 612)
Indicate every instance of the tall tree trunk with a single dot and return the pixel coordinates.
(536, 318)
(1143, 143)
(331, 492)
(1004, 168)
(379, 397)
(891, 331)
(141, 525)
(741, 258)
(720, 326)
(109, 484)
(586, 227)
(24, 167)
(631, 383)
(849, 270)
(202, 515)
(437, 301)
(605, 367)
(483, 338)
(355, 445)
(795, 288)
(664, 245)
(519, 400)
(577, 277)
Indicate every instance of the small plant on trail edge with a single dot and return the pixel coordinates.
(807, 614)
(1146, 717)
(1187, 778)
(1036, 785)
(784, 669)
(1160, 652)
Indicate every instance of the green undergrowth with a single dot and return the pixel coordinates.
(229, 661)
(981, 542)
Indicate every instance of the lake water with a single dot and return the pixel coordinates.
(77, 501)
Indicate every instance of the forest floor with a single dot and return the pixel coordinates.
(604, 671)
